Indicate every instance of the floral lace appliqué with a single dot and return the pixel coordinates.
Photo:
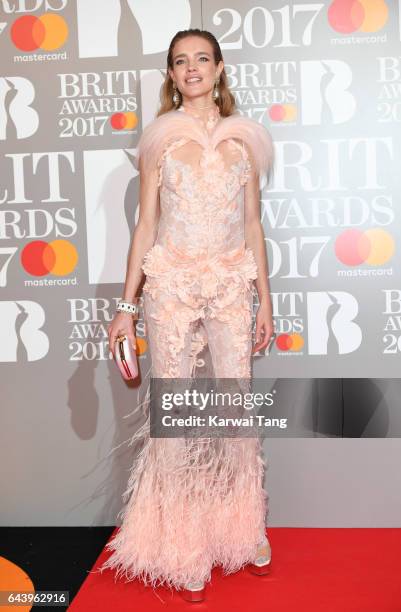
(199, 265)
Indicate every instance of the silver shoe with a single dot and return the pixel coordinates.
(194, 591)
(262, 563)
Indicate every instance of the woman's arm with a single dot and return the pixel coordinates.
(145, 232)
(143, 238)
(255, 239)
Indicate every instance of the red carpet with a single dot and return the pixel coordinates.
(318, 570)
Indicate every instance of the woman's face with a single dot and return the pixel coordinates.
(194, 70)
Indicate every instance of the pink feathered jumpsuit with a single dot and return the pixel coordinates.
(197, 503)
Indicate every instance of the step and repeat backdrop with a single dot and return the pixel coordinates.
(79, 80)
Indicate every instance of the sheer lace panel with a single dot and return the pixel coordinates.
(202, 196)
(200, 252)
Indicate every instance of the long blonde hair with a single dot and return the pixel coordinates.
(225, 101)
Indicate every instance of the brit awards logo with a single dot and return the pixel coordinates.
(331, 323)
(42, 234)
(89, 319)
(95, 104)
(289, 322)
(18, 117)
(343, 220)
(388, 88)
(392, 324)
(22, 336)
(326, 92)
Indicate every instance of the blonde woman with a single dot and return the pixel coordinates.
(197, 503)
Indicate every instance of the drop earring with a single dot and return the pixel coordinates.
(216, 93)
(176, 97)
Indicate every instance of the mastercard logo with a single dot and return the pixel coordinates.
(347, 16)
(124, 121)
(289, 342)
(47, 32)
(283, 112)
(374, 246)
(58, 257)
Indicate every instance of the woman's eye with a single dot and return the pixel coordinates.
(179, 61)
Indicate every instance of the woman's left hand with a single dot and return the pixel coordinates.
(264, 328)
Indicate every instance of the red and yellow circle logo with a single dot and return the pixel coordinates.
(283, 112)
(124, 121)
(47, 32)
(289, 342)
(348, 16)
(58, 257)
(373, 246)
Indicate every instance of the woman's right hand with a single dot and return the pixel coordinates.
(122, 324)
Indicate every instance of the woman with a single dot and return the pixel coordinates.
(197, 503)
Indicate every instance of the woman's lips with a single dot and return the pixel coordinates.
(198, 80)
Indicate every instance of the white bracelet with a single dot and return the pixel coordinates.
(128, 307)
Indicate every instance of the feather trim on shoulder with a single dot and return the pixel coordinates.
(254, 135)
(158, 134)
(175, 125)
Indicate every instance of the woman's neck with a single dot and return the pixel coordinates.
(207, 114)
